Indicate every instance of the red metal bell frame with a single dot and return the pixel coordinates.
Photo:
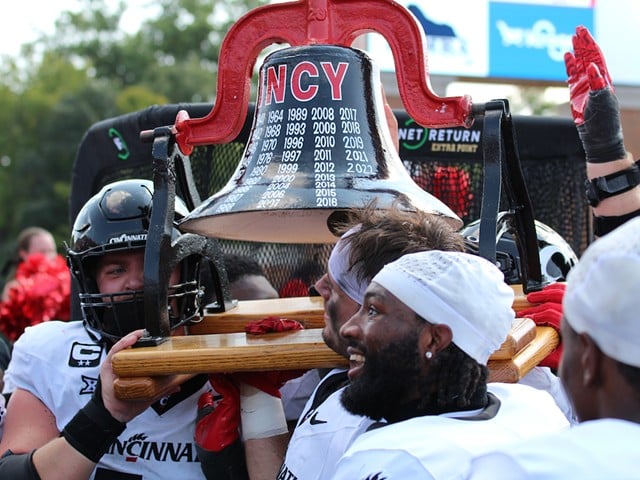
(319, 22)
(319, 145)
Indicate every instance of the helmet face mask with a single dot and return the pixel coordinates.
(114, 314)
(116, 220)
(556, 255)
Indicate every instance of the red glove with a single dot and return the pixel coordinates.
(586, 69)
(593, 104)
(553, 294)
(548, 314)
(217, 426)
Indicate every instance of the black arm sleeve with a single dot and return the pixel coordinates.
(604, 225)
(228, 464)
(18, 467)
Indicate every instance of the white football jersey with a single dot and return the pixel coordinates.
(59, 363)
(544, 379)
(323, 433)
(442, 446)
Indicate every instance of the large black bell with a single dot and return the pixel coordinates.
(319, 145)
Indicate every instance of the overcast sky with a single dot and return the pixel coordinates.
(25, 20)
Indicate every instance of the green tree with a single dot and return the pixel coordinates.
(35, 160)
(174, 54)
(87, 71)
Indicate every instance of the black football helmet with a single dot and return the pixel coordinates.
(117, 219)
(556, 255)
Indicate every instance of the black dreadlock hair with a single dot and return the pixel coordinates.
(461, 383)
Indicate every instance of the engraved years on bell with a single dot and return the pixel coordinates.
(309, 113)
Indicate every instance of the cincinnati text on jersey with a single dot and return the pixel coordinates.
(137, 447)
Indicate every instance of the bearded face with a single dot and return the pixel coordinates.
(386, 380)
(386, 365)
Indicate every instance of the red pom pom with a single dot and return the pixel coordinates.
(40, 292)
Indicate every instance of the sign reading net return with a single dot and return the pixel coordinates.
(495, 39)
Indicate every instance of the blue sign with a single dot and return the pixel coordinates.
(529, 41)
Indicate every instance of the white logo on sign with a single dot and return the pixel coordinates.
(542, 35)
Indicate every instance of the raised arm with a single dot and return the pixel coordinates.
(614, 177)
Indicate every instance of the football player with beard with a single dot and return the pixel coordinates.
(418, 350)
(371, 238)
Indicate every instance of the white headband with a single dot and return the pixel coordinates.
(338, 267)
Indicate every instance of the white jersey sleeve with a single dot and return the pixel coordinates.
(52, 360)
(371, 463)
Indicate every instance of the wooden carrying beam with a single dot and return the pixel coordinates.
(218, 344)
(140, 369)
(513, 369)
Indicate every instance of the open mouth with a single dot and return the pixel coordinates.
(356, 363)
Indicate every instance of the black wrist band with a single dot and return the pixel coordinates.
(93, 430)
(599, 188)
(604, 225)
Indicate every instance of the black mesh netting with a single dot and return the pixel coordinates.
(445, 162)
